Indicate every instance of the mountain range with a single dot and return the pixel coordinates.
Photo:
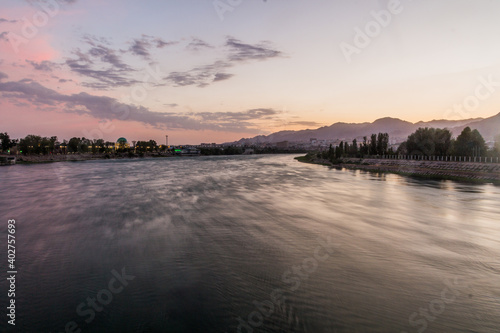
(396, 128)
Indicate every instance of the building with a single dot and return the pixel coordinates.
(122, 143)
(208, 145)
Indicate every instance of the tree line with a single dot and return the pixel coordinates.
(377, 145)
(36, 144)
(439, 142)
(424, 141)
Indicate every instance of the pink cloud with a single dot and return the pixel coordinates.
(36, 49)
(20, 120)
(27, 35)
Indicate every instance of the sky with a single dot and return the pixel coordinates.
(221, 70)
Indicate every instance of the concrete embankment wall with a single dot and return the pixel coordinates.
(72, 157)
(464, 170)
(57, 158)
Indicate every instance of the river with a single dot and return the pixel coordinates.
(247, 243)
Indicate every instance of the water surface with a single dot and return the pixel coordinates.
(228, 244)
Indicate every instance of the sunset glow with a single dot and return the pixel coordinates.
(205, 73)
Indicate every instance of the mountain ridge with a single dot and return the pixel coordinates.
(398, 129)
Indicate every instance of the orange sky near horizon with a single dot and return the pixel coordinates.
(259, 68)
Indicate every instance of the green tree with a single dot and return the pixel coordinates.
(108, 146)
(84, 145)
(45, 145)
(52, 144)
(479, 147)
(73, 144)
(231, 150)
(365, 150)
(153, 146)
(101, 146)
(5, 142)
(427, 142)
(421, 142)
(143, 146)
(469, 143)
(442, 141)
(331, 152)
(373, 144)
(382, 143)
(338, 152)
(354, 149)
(402, 149)
(64, 146)
(31, 144)
(347, 149)
(496, 148)
(97, 146)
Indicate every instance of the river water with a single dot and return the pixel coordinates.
(247, 243)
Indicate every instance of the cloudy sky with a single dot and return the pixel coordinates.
(217, 71)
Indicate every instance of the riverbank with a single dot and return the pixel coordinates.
(461, 171)
(33, 159)
(30, 159)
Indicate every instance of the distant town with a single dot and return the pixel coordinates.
(35, 145)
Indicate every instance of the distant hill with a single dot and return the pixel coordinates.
(489, 127)
(397, 129)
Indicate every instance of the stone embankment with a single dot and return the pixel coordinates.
(57, 158)
(472, 171)
(20, 159)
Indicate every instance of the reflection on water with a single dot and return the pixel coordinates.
(228, 244)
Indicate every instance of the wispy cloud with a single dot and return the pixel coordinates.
(305, 123)
(222, 77)
(45, 65)
(202, 76)
(102, 64)
(142, 46)
(247, 120)
(197, 44)
(105, 66)
(3, 20)
(160, 43)
(3, 36)
(95, 40)
(103, 107)
(240, 51)
(252, 114)
(69, 2)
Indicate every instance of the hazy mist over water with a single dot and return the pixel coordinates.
(228, 244)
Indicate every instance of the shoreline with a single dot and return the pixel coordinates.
(37, 159)
(471, 172)
(475, 172)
